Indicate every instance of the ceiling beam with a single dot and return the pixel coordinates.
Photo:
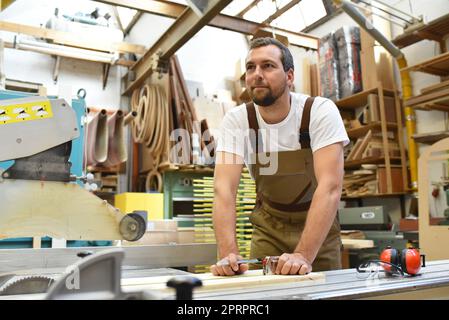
(168, 9)
(222, 21)
(71, 39)
(182, 30)
(132, 23)
(281, 11)
(248, 7)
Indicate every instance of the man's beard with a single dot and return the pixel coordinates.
(268, 99)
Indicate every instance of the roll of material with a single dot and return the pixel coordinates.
(97, 139)
(328, 64)
(349, 73)
(117, 153)
(151, 128)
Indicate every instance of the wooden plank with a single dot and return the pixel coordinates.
(251, 278)
(357, 243)
(430, 138)
(437, 65)
(435, 87)
(374, 126)
(401, 141)
(248, 7)
(422, 98)
(358, 153)
(361, 98)
(85, 41)
(383, 121)
(281, 11)
(371, 160)
(436, 29)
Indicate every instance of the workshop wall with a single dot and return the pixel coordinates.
(73, 74)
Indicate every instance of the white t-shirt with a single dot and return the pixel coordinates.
(326, 127)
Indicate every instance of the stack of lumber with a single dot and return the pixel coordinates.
(203, 204)
(433, 97)
(359, 182)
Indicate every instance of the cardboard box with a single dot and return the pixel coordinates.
(153, 203)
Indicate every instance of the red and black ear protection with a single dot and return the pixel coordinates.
(408, 260)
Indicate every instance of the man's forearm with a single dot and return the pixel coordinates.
(320, 218)
(224, 221)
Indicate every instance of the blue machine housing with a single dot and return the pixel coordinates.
(76, 158)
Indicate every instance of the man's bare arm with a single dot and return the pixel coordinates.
(329, 170)
(228, 169)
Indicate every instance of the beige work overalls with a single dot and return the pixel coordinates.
(284, 198)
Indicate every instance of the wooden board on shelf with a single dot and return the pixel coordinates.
(376, 195)
(374, 160)
(438, 65)
(374, 126)
(435, 87)
(351, 154)
(434, 30)
(360, 99)
(359, 152)
(431, 137)
(432, 100)
(376, 64)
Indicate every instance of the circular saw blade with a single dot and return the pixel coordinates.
(27, 285)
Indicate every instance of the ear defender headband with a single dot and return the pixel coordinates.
(408, 261)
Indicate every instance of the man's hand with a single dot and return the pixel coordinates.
(228, 266)
(293, 263)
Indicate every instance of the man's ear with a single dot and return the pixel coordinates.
(290, 77)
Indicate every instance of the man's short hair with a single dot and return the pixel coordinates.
(286, 56)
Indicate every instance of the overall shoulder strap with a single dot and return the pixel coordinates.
(254, 126)
(304, 135)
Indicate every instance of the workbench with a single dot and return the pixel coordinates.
(143, 271)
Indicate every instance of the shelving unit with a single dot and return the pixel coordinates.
(434, 97)
(438, 65)
(361, 98)
(435, 30)
(375, 126)
(438, 97)
(383, 127)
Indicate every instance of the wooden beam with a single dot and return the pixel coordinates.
(117, 17)
(281, 11)
(183, 29)
(119, 62)
(84, 41)
(248, 7)
(222, 21)
(132, 23)
(168, 9)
